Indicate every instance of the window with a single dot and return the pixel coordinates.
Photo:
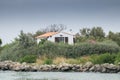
(66, 39)
(61, 39)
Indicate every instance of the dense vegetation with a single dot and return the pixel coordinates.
(94, 58)
(89, 42)
(0, 42)
(80, 49)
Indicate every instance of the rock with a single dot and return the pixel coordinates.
(92, 69)
(97, 68)
(110, 68)
(34, 69)
(16, 68)
(65, 68)
(103, 70)
(88, 67)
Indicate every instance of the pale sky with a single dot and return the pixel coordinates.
(32, 15)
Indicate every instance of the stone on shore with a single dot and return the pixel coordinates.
(64, 67)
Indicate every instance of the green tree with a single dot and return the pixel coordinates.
(39, 32)
(110, 35)
(0, 42)
(22, 46)
(85, 32)
(97, 32)
(115, 37)
(0, 45)
(26, 40)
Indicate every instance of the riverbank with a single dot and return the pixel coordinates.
(64, 67)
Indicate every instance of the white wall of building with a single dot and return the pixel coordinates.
(70, 37)
(52, 38)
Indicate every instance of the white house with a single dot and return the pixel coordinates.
(57, 37)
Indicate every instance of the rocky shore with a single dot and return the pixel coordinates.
(64, 67)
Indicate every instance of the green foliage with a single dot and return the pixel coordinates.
(86, 34)
(117, 59)
(48, 49)
(28, 59)
(97, 32)
(39, 32)
(0, 45)
(26, 40)
(22, 46)
(72, 51)
(103, 58)
(48, 61)
(52, 50)
(87, 44)
(115, 37)
(8, 52)
(14, 52)
(42, 41)
(0, 42)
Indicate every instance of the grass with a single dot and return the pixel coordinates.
(103, 58)
(95, 59)
(60, 60)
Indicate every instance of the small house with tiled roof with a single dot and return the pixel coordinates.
(57, 37)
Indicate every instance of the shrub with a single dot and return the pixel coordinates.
(23, 45)
(15, 52)
(8, 52)
(103, 58)
(48, 49)
(29, 59)
(72, 51)
(48, 61)
(84, 59)
(117, 59)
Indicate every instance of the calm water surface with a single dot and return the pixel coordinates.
(8, 75)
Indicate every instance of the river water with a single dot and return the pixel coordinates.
(10, 75)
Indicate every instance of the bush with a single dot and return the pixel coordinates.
(48, 49)
(117, 59)
(29, 59)
(103, 58)
(72, 51)
(48, 61)
(15, 52)
(96, 48)
(8, 52)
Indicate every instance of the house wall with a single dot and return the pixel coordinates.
(38, 40)
(70, 37)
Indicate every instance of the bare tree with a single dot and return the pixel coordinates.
(55, 28)
(51, 28)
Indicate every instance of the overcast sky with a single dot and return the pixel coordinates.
(32, 15)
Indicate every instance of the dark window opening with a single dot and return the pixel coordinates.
(66, 39)
(61, 39)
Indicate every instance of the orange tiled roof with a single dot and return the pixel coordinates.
(47, 34)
